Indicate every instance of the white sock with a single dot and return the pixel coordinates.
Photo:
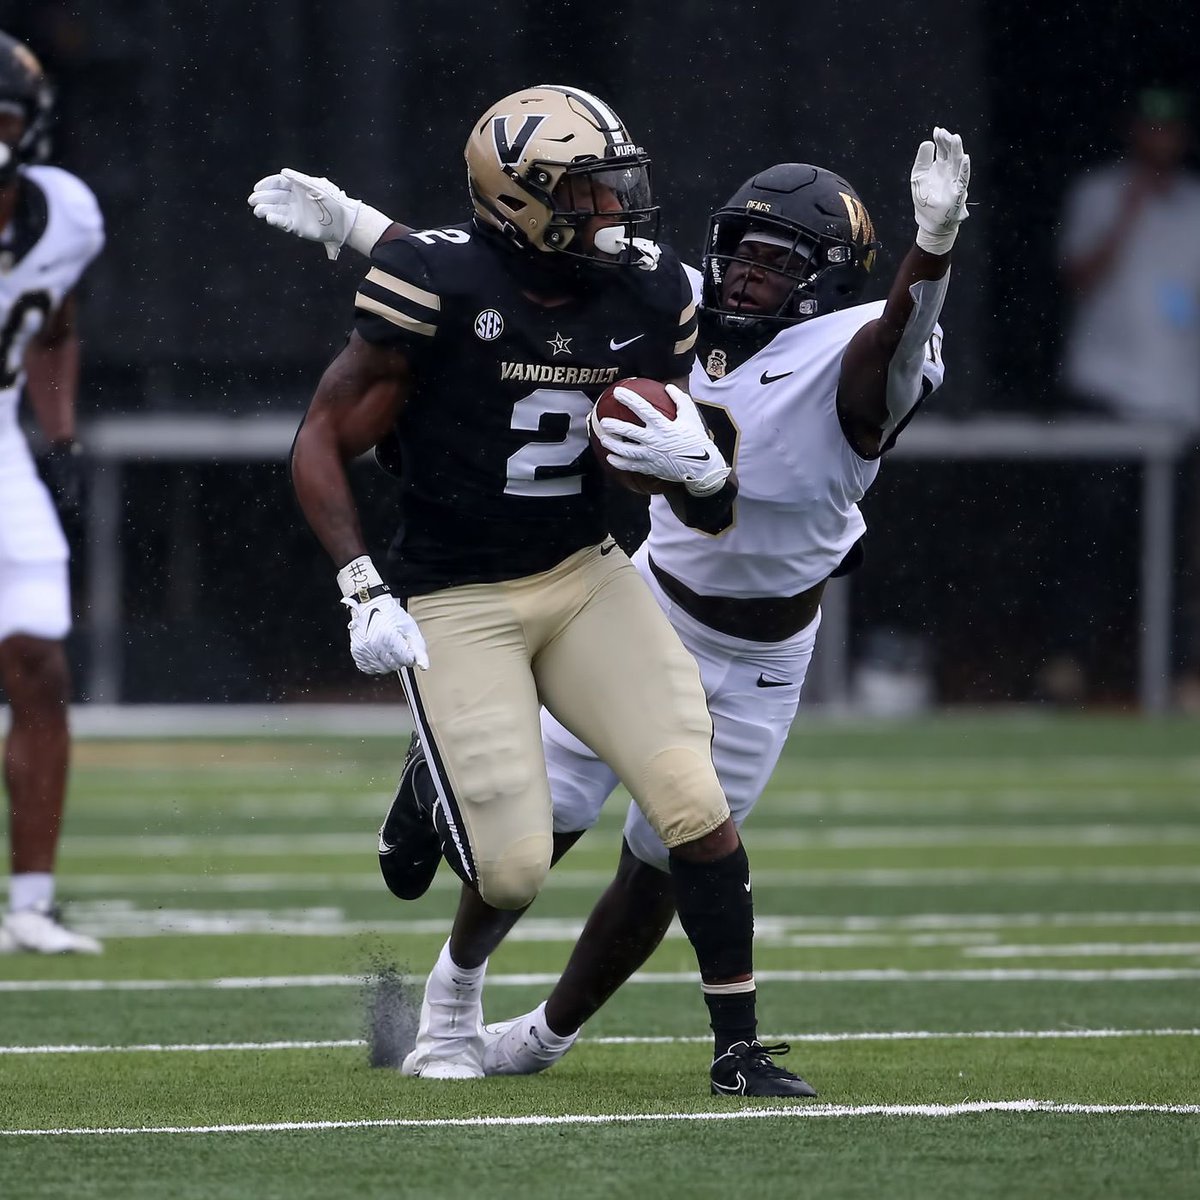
(31, 889)
(463, 976)
(550, 1039)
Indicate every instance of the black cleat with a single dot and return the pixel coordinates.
(746, 1069)
(409, 846)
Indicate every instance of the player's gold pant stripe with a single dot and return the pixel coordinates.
(686, 343)
(403, 288)
(367, 304)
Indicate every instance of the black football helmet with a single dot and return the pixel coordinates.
(824, 222)
(23, 88)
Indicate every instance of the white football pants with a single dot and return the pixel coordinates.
(753, 691)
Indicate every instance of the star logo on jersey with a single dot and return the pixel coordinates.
(560, 344)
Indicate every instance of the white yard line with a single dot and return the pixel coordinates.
(912, 1035)
(546, 979)
(1086, 950)
(737, 1114)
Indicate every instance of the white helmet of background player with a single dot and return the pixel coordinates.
(545, 161)
(792, 243)
(24, 93)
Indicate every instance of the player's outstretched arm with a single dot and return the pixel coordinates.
(317, 210)
(356, 403)
(881, 380)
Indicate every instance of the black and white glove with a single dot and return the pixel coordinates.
(677, 449)
(383, 637)
(939, 180)
(318, 211)
(61, 468)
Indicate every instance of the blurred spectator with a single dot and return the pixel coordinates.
(1130, 258)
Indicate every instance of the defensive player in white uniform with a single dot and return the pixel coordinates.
(50, 230)
(804, 390)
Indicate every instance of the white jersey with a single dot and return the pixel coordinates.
(799, 481)
(62, 233)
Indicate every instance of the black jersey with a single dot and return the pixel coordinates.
(497, 479)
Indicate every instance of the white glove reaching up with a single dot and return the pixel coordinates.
(939, 179)
(679, 450)
(383, 637)
(318, 211)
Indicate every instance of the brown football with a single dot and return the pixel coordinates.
(609, 406)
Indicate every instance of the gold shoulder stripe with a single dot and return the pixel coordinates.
(403, 288)
(685, 344)
(688, 313)
(367, 304)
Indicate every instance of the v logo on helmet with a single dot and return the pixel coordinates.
(510, 152)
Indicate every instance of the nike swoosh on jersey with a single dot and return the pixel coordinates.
(765, 378)
(613, 344)
(763, 681)
(608, 546)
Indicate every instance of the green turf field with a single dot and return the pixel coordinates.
(981, 936)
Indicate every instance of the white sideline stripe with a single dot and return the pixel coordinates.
(546, 979)
(740, 1114)
(913, 1035)
(113, 914)
(253, 845)
(880, 877)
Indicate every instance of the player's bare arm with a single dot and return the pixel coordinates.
(52, 373)
(356, 403)
(881, 377)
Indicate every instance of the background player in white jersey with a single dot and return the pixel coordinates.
(50, 230)
(804, 389)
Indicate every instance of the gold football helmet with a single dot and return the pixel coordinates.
(544, 161)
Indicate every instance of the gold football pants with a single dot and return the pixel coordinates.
(587, 640)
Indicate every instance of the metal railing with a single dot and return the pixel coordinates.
(117, 441)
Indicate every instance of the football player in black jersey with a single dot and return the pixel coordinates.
(478, 351)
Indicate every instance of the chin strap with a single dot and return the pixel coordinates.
(905, 372)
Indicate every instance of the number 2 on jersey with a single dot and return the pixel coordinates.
(546, 468)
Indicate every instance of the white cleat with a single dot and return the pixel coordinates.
(523, 1046)
(40, 931)
(450, 1034)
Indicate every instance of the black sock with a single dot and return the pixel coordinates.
(716, 911)
(731, 1018)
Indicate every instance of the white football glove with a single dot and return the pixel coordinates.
(318, 211)
(383, 637)
(939, 179)
(678, 450)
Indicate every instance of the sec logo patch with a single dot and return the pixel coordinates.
(489, 325)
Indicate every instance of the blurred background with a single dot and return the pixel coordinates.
(993, 574)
